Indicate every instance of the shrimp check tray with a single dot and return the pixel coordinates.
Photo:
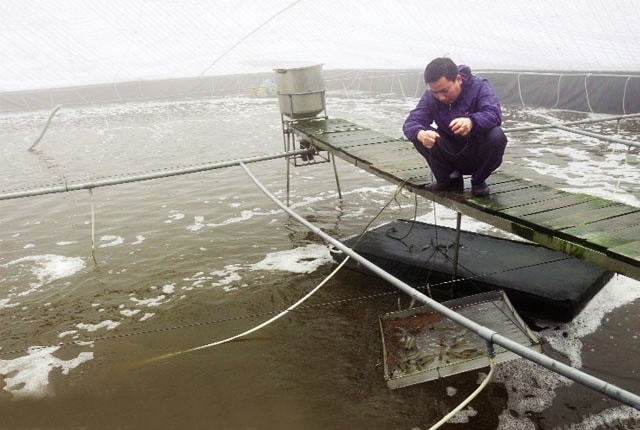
(420, 344)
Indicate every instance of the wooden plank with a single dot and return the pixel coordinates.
(629, 250)
(563, 200)
(324, 125)
(349, 139)
(391, 150)
(608, 226)
(520, 196)
(387, 154)
(609, 212)
(546, 218)
(512, 185)
(501, 177)
(548, 200)
(607, 238)
(397, 158)
(532, 196)
(417, 177)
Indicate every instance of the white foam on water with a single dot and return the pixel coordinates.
(151, 302)
(67, 333)
(584, 174)
(531, 387)
(111, 241)
(139, 240)
(169, 288)
(129, 312)
(608, 418)
(619, 291)
(38, 271)
(244, 216)
(463, 416)
(198, 224)
(147, 316)
(106, 324)
(28, 376)
(225, 278)
(300, 260)
(608, 192)
(174, 215)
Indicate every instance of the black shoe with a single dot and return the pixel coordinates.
(452, 184)
(480, 190)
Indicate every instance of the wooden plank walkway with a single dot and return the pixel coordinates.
(600, 231)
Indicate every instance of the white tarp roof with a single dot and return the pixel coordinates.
(50, 43)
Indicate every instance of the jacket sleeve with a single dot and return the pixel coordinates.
(420, 118)
(488, 113)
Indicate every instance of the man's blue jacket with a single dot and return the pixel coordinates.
(476, 101)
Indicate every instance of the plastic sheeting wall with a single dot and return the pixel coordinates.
(586, 92)
(601, 93)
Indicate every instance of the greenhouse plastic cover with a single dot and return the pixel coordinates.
(49, 44)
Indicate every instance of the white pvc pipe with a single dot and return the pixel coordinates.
(489, 335)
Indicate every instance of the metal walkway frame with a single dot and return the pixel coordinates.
(602, 232)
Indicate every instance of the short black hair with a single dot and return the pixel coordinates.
(440, 67)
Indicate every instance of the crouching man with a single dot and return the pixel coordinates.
(466, 138)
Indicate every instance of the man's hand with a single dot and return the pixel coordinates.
(427, 138)
(461, 126)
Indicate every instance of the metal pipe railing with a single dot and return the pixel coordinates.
(599, 136)
(66, 187)
(489, 335)
(566, 127)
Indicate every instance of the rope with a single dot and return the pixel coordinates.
(251, 33)
(46, 126)
(80, 342)
(520, 91)
(468, 399)
(558, 367)
(286, 311)
(93, 228)
(624, 96)
(256, 328)
(586, 92)
(557, 93)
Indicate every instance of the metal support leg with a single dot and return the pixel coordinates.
(335, 172)
(286, 137)
(286, 160)
(457, 245)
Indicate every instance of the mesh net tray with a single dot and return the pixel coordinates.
(421, 344)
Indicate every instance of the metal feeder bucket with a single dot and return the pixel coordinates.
(301, 91)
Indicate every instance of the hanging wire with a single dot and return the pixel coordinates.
(557, 93)
(465, 402)
(44, 129)
(248, 35)
(283, 313)
(586, 92)
(93, 228)
(253, 329)
(624, 95)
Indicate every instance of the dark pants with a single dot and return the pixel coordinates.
(477, 156)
